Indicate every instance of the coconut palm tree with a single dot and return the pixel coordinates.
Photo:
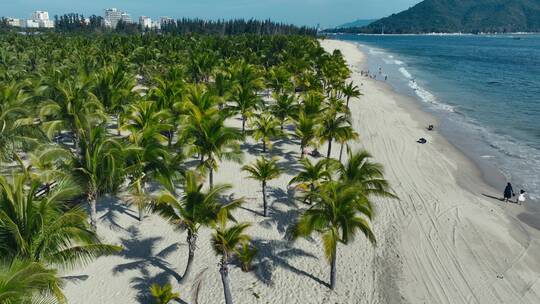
(369, 176)
(212, 140)
(37, 226)
(350, 90)
(279, 79)
(305, 131)
(338, 214)
(335, 126)
(222, 86)
(71, 106)
(246, 101)
(263, 170)
(28, 282)
(312, 176)
(169, 93)
(226, 242)
(285, 108)
(163, 294)
(16, 122)
(194, 210)
(98, 166)
(113, 87)
(265, 127)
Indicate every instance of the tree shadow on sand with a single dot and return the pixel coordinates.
(276, 253)
(144, 257)
(113, 208)
(281, 218)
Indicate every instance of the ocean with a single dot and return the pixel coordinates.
(484, 89)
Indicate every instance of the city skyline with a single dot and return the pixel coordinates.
(323, 12)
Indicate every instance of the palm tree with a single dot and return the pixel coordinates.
(71, 107)
(195, 209)
(36, 226)
(113, 87)
(305, 131)
(279, 79)
(163, 294)
(285, 107)
(338, 214)
(263, 170)
(28, 282)
(367, 175)
(169, 95)
(222, 86)
(336, 126)
(265, 127)
(147, 156)
(226, 242)
(350, 90)
(16, 122)
(212, 140)
(246, 101)
(99, 166)
(313, 176)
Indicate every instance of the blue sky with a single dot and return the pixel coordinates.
(310, 12)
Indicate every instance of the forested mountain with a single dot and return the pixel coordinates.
(357, 23)
(466, 16)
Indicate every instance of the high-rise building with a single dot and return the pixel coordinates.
(40, 16)
(145, 22)
(125, 17)
(15, 22)
(156, 25)
(165, 20)
(112, 16)
(32, 23)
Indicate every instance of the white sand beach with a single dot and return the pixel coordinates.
(443, 242)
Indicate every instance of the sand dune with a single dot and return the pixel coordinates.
(440, 244)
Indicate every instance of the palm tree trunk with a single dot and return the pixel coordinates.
(140, 204)
(265, 211)
(348, 98)
(312, 187)
(333, 269)
(211, 177)
(92, 198)
(264, 146)
(243, 124)
(118, 124)
(341, 152)
(192, 245)
(224, 271)
(329, 148)
(301, 150)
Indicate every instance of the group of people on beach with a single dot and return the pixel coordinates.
(509, 193)
(373, 76)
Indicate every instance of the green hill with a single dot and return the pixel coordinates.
(357, 23)
(465, 16)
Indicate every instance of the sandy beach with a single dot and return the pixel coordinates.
(443, 242)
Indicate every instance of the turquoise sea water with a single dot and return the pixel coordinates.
(484, 89)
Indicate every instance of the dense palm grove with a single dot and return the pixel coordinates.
(83, 116)
(74, 22)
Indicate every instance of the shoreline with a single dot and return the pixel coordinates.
(486, 177)
(455, 239)
(436, 34)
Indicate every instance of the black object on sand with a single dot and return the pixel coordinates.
(422, 141)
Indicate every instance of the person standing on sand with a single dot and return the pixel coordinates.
(508, 192)
(521, 197)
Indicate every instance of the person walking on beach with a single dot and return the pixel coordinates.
(508, 192)
(521, 197)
